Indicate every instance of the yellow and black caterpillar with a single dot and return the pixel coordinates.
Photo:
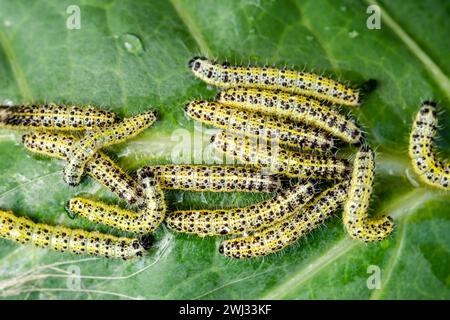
(56, 117)
(77, 241)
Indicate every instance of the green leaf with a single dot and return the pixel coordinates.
(129, 56)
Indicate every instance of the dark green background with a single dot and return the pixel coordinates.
(40, 60)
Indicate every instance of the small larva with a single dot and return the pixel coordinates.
(258, 125)
(295, 107)
(84, 149)
(142, 222)
(225, 76)
(426, 164)
(55, 117)
(286, 232)
(101, 167)
(355, 216)
(212, 178)
(277, 160)
(23, 230)
(242, 220)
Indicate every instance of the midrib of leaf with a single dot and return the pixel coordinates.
(313, 268)
(441, 79)
(398, 209)
(16, 69)
(192, 27)
(391, 263)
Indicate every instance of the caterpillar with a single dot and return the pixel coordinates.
(284, 233)
(277, 160)
(430, 169)
(308, 84)
(258, 125)
(23, 230)
(213, 178)
(55, 117)
(84, 149)
(242, 220)
(142, 222)
(295, 107)
(101, 167)
(355, 216)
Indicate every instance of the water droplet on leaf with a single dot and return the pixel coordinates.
(132, 44)
(353, 34)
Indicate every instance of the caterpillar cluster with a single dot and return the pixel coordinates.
(276, 122)
(56, 117)
(102, 129)
(212, 178)
(426, 164)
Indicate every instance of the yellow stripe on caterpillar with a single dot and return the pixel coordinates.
(278, 160)
(309, 84)
(55, 117)
(242, 220)
(431, 170)
(141, 222)
(355, 216)
(257, 125)
(295, 107)
(286, 232)
(23, 230)
(85, 148)
(101, 167)
(213, 178)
